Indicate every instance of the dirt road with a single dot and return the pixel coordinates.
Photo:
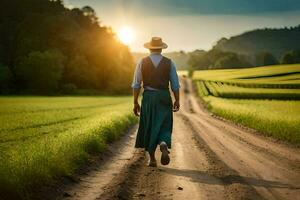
(210, 159)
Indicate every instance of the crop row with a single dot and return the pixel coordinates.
(224, 90)
(262, 74)
(278, 85)
(201, 88)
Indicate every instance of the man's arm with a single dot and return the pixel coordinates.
(176, 104)
(136, 86)
(136, 107)
(175, 87)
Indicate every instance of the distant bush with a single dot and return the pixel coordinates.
(198, 60)
(215, 59)
(265, 59)
(229, 61)
(291, 57)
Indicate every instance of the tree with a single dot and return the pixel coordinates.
(228, 61)
(265, 58)
(31, 29)
(198, 60)
(6, 84)
(77, 72)
(216, 59)
(41, 72)
(120, 82)
(291, 57)
(90, 13)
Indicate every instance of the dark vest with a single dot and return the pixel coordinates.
(156, 77)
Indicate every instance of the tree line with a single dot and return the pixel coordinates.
(255, 48)
(275, 41)
(46, 48)
(216, 59)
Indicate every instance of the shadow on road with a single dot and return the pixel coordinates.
(204, 177)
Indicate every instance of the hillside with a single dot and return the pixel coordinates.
(274, 41)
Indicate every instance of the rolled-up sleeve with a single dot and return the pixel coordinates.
(137, 78)
(175, 85)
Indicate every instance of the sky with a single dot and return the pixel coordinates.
(191, 24)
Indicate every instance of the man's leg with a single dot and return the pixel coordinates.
(165, 158)
(152, 162)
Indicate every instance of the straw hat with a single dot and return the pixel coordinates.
(156, 43)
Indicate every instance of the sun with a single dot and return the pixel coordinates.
(126, 35)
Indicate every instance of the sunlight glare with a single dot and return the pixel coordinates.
(126, 35)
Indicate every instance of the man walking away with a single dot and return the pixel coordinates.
(155, 72)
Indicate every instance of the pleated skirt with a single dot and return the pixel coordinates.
(156, 120)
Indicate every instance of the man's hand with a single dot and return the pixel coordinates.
(137, 109)
(176, 106)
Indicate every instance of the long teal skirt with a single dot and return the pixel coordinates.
(156, 120)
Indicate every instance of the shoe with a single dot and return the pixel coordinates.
(165, 159)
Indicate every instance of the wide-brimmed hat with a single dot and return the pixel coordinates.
(155, 43)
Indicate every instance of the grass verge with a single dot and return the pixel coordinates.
(279, 119)
(51, 137)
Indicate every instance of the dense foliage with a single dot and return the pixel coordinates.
(46, 48)
(215, 59)
(265, 59)
(291, 57)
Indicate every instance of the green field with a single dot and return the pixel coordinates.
(263, 98)
(267, 74)
(42, 138)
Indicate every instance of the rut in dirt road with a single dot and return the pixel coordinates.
(210, 159)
